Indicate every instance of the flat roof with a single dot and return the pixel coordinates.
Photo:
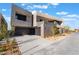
(50, 18)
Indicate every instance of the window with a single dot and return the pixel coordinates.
(21, 17)
(40, 20)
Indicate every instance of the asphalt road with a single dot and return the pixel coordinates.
(68, 46)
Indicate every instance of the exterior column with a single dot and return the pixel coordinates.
(34, 18)
(42, 29)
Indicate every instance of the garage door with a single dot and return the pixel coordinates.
(24, 31)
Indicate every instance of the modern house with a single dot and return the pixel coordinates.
(3, 27)
(32, 23)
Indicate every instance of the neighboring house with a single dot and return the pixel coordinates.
(35, 23)
(3, 27)
(76, 30)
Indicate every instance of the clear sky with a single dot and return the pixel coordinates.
(69, 12)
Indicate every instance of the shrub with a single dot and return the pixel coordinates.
(1, 37)
(2, 49)
(14, 42)
(55, 30)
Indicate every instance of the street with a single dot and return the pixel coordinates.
(68, 46)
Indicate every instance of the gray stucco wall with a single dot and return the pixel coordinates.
(38, 31)
(15, 22)
(40, 24)
(47, 29)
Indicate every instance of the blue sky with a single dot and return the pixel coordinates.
(69, 12)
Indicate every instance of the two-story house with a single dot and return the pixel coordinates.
(32, 23)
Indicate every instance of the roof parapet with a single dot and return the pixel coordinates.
(47, 16)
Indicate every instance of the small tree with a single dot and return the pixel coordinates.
(67, 28)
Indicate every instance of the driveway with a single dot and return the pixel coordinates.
(29, 44)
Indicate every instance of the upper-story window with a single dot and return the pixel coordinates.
(21, 17)
(39, 20)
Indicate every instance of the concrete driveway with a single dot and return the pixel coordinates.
(29, 44)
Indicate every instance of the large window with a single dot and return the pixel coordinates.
(21, 17)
